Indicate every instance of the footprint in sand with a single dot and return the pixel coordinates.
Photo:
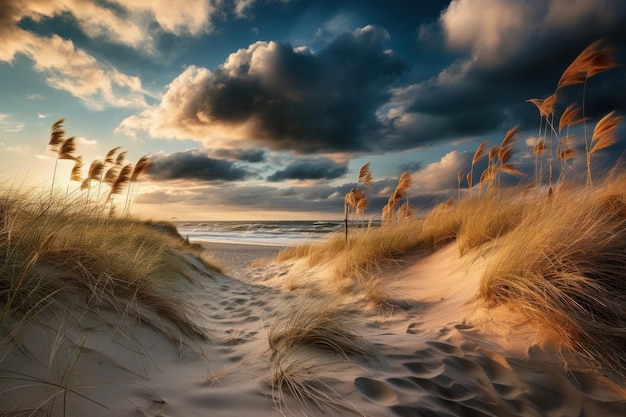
(413, 328)
(376, 391)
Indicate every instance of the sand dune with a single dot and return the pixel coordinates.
(438, 353)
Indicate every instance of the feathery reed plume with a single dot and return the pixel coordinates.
(365, 175)
(545, 106)
(399, 193)
(499, 157)
(351, 202)
(94, 173)
(480, 152)
(67, 149)
(141, 167)
(571, 116)
(354, 197)
(121, 181)
(110, 156)
(111, 175)
(143, 164)
(360, 209)
(595, 58)
(121, 157)
(57, 136)
(604, 134)
(61, 147)
(77, 170)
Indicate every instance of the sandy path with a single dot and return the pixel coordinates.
(435, 357)
(236, 259)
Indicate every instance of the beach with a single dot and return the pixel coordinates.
(237, 258)
(278, 340)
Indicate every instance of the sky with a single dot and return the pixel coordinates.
(267, 109)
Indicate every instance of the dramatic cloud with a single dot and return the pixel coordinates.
(282, 97)
(510, 52)
(310, 169)
(195, 165)
(252, 156)
(66, 67)
(132, 23)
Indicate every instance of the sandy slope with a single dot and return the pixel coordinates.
(439, 355)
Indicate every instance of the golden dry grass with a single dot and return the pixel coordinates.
(564, 267)
(60, 252)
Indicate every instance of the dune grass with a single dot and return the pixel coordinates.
(559, 258)
(58, 252)
(564, 267)
(365, 251)
(321, 325)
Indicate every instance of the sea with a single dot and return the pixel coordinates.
(273, 233)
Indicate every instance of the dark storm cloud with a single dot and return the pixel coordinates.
(498, 69)
(283, 98)
(252, 156)
(310, 169)
(195, 165)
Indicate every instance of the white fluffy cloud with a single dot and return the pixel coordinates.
(443, 174)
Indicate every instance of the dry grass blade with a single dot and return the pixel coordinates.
(57, 136)
(76, 174)
(604, 134)
(571, 116)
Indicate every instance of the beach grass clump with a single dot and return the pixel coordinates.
(300, 339)
(57, 253)
(478, 219)
(564, 267)
(319, 323)
(297, 378)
